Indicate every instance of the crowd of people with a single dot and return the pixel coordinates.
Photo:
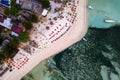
(69, 15)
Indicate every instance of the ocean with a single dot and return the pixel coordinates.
(103, 9)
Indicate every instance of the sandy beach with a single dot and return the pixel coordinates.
(74, 34)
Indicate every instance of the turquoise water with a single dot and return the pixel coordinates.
(103, 9)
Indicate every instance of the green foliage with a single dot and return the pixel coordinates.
(14, 42)
(13, 2)
(1, 39)
(45, 3)
(2, 57)
(5, 33)
(13, 10)
(7, 11)
(24, 37)
(33, 18)
(8, 50)
(27, 25)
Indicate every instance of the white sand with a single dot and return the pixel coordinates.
(76, 33)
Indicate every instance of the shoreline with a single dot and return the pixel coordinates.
(79, 29)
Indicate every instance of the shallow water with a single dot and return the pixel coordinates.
(103, 9)
(40, 72)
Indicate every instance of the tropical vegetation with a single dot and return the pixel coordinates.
(27, 25)
(33, 18)
(45, 3)
(13, 10)
(24, 37)
(10, 49)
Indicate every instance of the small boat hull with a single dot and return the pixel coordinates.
(109, 21)
(90, 7)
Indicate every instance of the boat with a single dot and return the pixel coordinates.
(109, 21)
(90, 7)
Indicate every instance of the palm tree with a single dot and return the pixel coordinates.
(45, 3)
(5, 33)
(14, 42)
(27, 25)
(33, 18)
(7, 11)
(14, 8)
(8, 50)
(24, 37)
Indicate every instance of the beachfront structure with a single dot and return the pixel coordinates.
(17, 1)
(7, 23)
(16, 31)
(5, 3)
(4, 69)
(44, 13)
(31, 5)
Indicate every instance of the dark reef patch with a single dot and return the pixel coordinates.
(82, 60)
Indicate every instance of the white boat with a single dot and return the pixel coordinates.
(109, 21)
(90, 7)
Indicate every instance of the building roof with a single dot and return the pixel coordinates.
(14, 34)
(44, 13)
(17, 1)
(16, 29)
(6, 23)
(5, 3)
(31, 5)
(1, 18)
